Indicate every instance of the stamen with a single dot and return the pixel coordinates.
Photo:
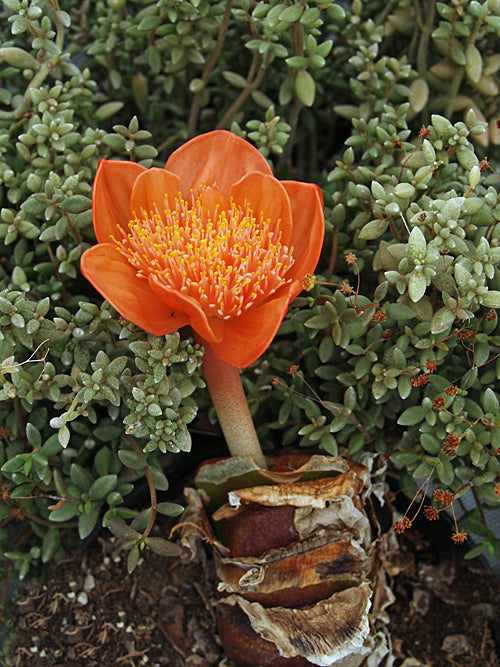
(228, 261)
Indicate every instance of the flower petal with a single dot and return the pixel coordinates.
(308, 226)
(209, 328)
(111, 193)
(248, 336)
(110, 273)
(213, 200)
(266, 196)
(218, 158)
(150, 189)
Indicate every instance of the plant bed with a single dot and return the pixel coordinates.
(162, 613)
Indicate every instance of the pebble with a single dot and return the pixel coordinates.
(421, 601)
(482, 610)
(89, 583)
(456, 644)
(82, 597)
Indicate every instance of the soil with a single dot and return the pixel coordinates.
(90, 612)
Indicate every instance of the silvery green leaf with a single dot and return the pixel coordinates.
(452, 208)
(472, 205)
(416, 286)
(463, 277)
(442, 320)
(423, 176)
(417, 244)
(378, 191)
(419, 94)
(428, 151)
(404, 190)
(474, 176)
(373, 229)
(442, 125)
(64, 436)
(491, 299)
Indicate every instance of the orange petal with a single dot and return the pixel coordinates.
(209, 328)
(218, 158)
(266, 195)
(248, 336)
(212, 200)
(111, 192)
(110, 273)
(150, 190)
(308, 226)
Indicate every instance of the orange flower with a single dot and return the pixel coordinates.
(213, 240)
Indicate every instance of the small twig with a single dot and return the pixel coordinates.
(254, 79)
(333, 255)
(151, 486)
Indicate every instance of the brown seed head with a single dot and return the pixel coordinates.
(350, 258)
(402, 525)
(445, 497)
(17, 513)
(459, 537)
(466, 333)
(379, 315)
(346, 289)
(431, 513)
(439, 403)
(450, 444)
(431, 365)
(420, 380)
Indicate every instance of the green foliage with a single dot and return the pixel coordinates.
(79, 389)
(389, 107)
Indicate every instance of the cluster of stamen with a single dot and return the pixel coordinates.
(228, 260)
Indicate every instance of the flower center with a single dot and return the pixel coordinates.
(228, 260)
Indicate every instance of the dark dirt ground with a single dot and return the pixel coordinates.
(89, 612)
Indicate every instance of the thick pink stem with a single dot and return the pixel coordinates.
(230, 403)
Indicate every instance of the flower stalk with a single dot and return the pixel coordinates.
(230, 403)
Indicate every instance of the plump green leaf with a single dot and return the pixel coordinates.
(121, 530)
(88, 520)
(163, 547)
(170, 509)
(102, 486)
(411, 416)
